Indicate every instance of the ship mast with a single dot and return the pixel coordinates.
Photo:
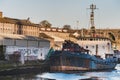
(92, 7)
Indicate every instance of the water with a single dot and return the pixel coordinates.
(103, 75)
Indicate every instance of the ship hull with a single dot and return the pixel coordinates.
(71, 61)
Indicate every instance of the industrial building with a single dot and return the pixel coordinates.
(28, 47)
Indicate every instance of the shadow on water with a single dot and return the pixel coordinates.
(100, 75)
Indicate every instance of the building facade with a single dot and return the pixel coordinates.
(18, 26)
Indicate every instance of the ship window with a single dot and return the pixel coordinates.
(108, 44)
(91, 39)
(86, 46)
(41, 54)
(103, 47)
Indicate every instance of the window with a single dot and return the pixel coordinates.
(91, 39)
(86, 46)
(41, 54)
(103, 47)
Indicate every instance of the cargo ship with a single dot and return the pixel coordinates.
(73, 57)
(88, 53)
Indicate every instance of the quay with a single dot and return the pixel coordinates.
(7, 68)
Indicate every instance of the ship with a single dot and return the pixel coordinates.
(74, 57)
(88, 53)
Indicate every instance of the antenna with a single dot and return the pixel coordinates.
(92, 7)
(77, 22)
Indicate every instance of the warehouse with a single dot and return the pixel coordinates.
(28, 47)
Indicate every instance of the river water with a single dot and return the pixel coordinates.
(101, 75)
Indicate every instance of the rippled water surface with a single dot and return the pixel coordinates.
(103, 75)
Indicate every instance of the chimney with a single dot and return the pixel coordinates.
(1, 14)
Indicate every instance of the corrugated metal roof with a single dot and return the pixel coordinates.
(17, 21)
(43, 35)
(15, 36)
(58, 38)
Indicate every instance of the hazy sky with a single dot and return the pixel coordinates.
(61, 12)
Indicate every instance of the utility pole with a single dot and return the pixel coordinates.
(77, 24)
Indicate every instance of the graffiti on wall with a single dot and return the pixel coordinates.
(28, 51)
(24, 50)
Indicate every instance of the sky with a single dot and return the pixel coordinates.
(62, 12)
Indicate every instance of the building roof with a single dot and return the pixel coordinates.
(17, 21)
(15, 36)
(43, 35)
(58, 39)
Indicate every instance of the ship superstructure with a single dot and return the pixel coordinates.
(97, 44)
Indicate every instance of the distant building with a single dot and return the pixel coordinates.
(18, 26)
(26, 27)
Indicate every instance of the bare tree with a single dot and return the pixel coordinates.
(66, 27)
(45, 24)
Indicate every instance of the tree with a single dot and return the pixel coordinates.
(45, 24)
(67, 27)
(2, 53)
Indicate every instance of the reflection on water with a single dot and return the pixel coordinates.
(105, 75)
(61, 76)
(110, 75)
